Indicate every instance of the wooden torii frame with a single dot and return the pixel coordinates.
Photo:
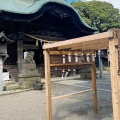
(109, 39)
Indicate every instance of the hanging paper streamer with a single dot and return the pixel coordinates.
(66, 74)
(99, 52)
(36, 42)
(82, 55)
(81, 58)
(74, 71)
(93, 57)
(63, 72)
(108, 52)
(88, 58)
(41, 42)
(69, 57)
(69, 70)
(76, 57)
(56, 68)
(63, 59)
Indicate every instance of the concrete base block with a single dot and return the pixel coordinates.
(28, 82)
(29, 72)
(30, 66)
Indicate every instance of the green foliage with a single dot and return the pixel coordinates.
(97, 14)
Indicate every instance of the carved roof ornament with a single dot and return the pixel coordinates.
(4, 39)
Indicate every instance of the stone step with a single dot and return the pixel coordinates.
(10, 85)
(6, 83)
(13, 71)
(14, 74)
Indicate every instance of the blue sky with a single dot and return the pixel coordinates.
(71, 0)
(116, 3)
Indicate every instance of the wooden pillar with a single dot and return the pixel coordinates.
(20, 53)
(93, 75)
(48, 84)
(115, 78)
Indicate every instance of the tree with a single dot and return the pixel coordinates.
(97, 14)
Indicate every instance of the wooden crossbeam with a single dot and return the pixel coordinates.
(71, 95)
(89, 38)
(101, 46)
(92, 45)
(68, 46)
(96, 48)
(64, 52)
(95, 42)
(70, 64)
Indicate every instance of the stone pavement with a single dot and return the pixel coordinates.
(31, 105)
(107, 118)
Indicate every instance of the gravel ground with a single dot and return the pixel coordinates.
(31, 105)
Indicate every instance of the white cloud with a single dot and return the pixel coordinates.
(116, 3)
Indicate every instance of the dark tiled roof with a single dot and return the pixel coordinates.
(30, 10)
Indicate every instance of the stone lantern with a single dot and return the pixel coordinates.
(3, 55)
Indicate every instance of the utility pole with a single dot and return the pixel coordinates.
(100, 64)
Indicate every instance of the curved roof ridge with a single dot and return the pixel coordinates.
(62, 2)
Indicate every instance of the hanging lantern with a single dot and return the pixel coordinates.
(76, 57)
(69, 57)
(93, 57)
(63, 59)
(88, 58)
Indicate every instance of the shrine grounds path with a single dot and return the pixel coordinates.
(31, 105)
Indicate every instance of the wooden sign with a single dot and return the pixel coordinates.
(28, 46)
